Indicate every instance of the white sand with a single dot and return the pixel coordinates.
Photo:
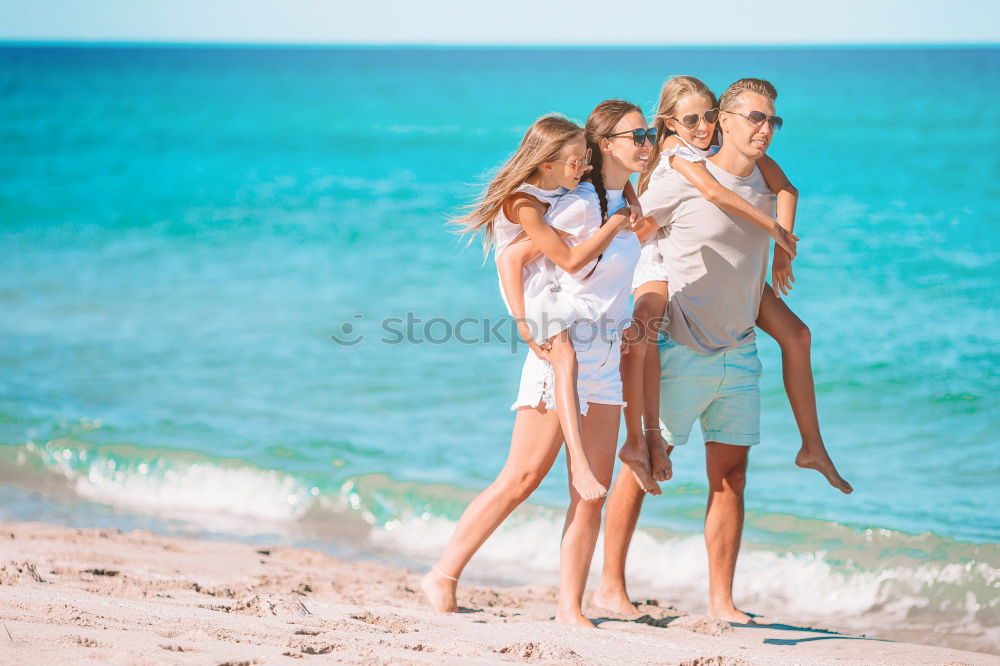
(103, 596)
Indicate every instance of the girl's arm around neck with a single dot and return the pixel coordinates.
(529, 213)
(732, 203)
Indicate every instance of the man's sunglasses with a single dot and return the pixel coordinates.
(639, 136)
(757, 118)
(691, 120)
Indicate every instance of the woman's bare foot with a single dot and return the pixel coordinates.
(440, 591)
(635, 456)
(659, 456)
(815, 457)
(575, 618)
(615, 602)
(729, 613)
(586, 484)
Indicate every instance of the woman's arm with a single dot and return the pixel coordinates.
(732, 203)
(528, 212)
(788, 198)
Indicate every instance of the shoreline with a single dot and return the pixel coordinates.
(102, 595)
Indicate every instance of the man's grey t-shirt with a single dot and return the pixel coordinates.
(716, 263)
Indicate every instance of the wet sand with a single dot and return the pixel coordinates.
(105, 596)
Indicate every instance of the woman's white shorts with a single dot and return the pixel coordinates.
(599, 380)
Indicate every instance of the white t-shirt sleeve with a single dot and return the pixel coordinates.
(570, 214)
(662, 197)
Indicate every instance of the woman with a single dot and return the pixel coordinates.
(620, 143)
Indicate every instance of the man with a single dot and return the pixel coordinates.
(716, 265)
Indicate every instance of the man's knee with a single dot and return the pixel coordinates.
(728, 474)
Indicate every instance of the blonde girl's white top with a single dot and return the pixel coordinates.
(650, 267)
(546, 310)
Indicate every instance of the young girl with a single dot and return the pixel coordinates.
(596, 256)
(686, 120)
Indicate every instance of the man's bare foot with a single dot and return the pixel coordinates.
(575, 618)
(440, 591)
(816, 457)
(586, 484)
(635, 456)
(729, 613)
(659, 456)
(617, 603)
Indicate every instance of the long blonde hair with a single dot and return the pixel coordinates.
(543, 142)
(673, 90)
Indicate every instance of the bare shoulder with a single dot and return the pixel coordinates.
(521, 203)
(672, 141)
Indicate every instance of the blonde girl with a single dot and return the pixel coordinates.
(686, 118)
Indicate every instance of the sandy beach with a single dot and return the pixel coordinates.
(106, 596)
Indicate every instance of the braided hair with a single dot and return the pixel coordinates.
(600, 125)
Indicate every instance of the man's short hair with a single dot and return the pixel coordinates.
(733, 92)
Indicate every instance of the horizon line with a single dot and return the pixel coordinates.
(5, 42)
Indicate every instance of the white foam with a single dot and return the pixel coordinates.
(182, 490)
(790, 587)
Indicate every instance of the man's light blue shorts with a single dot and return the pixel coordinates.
(721, 390)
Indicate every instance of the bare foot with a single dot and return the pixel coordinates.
(617, 603)
(635, 456)
(729, 613)
(586, 484)
(440, 591)
(575, 618)
(659, 456)
(816, 457)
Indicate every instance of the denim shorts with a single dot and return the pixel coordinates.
(720, 390)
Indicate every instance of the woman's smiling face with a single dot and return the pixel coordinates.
(622, 148)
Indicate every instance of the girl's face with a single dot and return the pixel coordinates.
(572, 164)
(689, 122)
(621, 146)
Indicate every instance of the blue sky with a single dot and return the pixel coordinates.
(584, 22)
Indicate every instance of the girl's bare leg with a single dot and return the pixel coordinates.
(534, 445)
(650, 299)
(778, 321)
(659, 450)
(562, 356)
(583, 519)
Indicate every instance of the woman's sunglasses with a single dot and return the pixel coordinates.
(579, 163)
(691, 120)
(639, 136)
(757, 118)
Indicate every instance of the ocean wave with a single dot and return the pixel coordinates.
(168, 484)
(795, 570)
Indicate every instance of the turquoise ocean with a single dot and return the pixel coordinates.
(183, 229)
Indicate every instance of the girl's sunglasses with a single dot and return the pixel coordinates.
(639, 136)
(691, 120)
(757, 118)
(579, 163)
